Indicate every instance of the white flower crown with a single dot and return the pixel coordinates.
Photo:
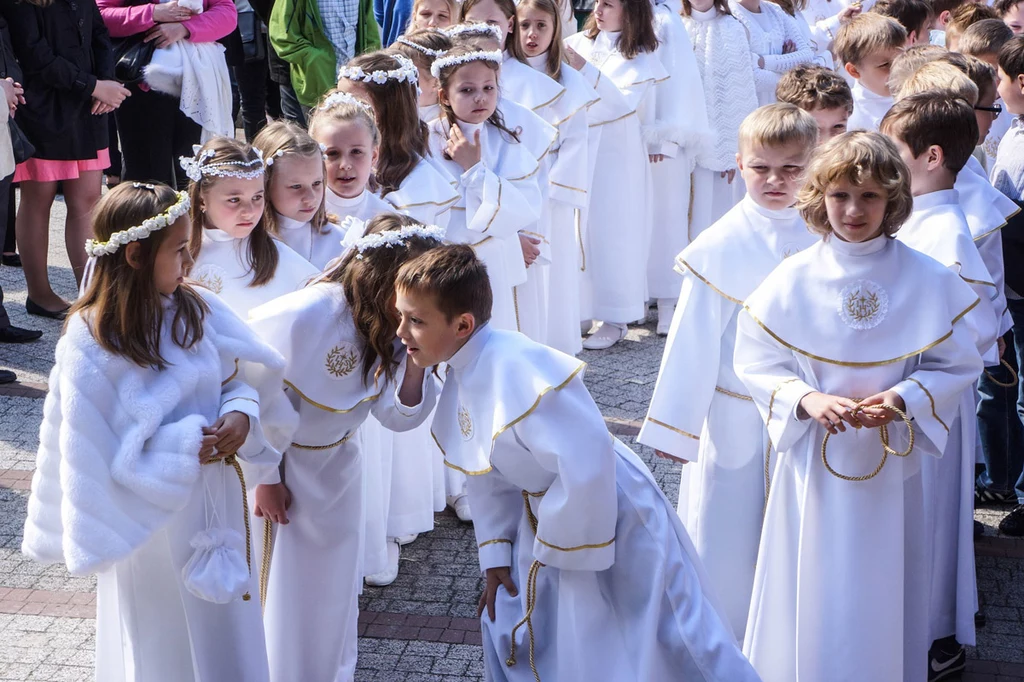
(425, 50)
(393, 238)
(476, 28)
(405, 73)
(148, 227)
(339, 97)
(196, 167)
(443, 63)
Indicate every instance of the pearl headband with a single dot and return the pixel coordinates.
(425, 50)
(393, 238)
(196, 168)
(480, 29)
(133, 234)
(339, 97)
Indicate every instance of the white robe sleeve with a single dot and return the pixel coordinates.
(771, 374)
(682, 122)
(396, 416)
(576, 517)
(568, 179)
(496, 521)
(499, 206)
(689, 371)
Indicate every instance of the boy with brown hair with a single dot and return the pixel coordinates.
(963, 17)
(866, 47)
(942, 11)
(822, 93)
(984, 39)
(915, 16)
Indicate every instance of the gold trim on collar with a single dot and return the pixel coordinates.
(533, 407)
(530, 174)
(442, 204)
(485, 239)
(550, 101)
(672, 428)
(931, 400)
(325, 447)
(702, 278)
(577, 548)
(876, 363)
(233, 374)
(535, 235)
(978, 281)
(497, 541)
(614, 120)
(729, 393)
(996, 229)
(326, 408)
(466, 471)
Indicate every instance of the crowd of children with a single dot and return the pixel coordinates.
(375, 317)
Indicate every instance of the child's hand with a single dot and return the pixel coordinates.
(462, 151)
(850, 12)
(110, 93)
(576, 60)
(13, 93)
(272, 502)
(788, 46)
(99, 108)
(495, 578)
(208, 449)
(655, 158)
(830, 411)
(530, 250)
(873, 417)
(731, 174)
(231, 431)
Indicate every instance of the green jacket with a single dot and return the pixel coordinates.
(297, 34)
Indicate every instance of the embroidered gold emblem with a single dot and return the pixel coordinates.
(341, 360)
(465, 423)
(209, 277)
(863, 304)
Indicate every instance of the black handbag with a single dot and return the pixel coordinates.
(254, 42)
(131, 56)
(23, 149)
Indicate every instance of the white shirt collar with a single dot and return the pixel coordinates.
(471, 349)
(285, 223)
(942, 197)
(866, 248)
(217, 235)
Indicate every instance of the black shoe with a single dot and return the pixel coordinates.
(986, 496)
(11, 260)
(18, 335)
(979, 529)
(1013, 523)
(946, 659)
(7, 376)
(33, 308)
(980, 620)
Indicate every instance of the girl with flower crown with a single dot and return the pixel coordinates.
(153, 380)
(235, 256)
(422, 47)
(343, 362)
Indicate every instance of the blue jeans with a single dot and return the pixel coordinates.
(999, 424)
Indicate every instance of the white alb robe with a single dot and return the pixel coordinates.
(549, 484)
(840, 591)
(223, 267)
(119, 491)
(723, 57)
(427, 194)
(700, 411)
(316, 574)
(319, 246)
(868, 109)
(767, 31)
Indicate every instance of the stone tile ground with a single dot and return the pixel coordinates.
(420, 629)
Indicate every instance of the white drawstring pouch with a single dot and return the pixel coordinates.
(217, 571)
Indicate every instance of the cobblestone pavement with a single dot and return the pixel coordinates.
(423, 627)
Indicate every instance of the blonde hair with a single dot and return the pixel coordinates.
(453, 12)
(856, 157)
(912, 59)
(982, 74)
(939, 77)
(284, 138)
(776, 125)
(866, 34)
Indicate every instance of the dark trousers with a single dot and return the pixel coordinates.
(6, 228)
(154, 133)
(290, 107)
(251, 79)
(115, 167)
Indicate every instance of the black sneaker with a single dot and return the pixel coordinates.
(946, 659)
(1013, 523)
(986, 496)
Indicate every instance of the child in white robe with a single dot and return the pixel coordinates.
(865, 48)
(295, 193)
(152, 381)
(422, 47)
(619, 44)
(700, 412)
(337, 337)
(854, 323)
(776, 43)
(723, 58)
(235, 256)
(590, 575)
(344, 128)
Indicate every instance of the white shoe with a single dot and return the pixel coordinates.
(666, 309)
(606, 336)
(389, 574)
(404, 540)
(586, 326)
(461, 506)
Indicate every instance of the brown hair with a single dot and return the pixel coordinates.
(722, 6)
(982, 74)
(368, 279)
(934, 118)
(913, 15)
(403, 136)
(284, 138)
(121, 304)
(909, 61)
(1004, 6)
(813, 87)
(866, 34)
(556, 52)
(1011, 57)
(984, 37)
(508, 8)
(637, 34)
(791, 7)
(940, 6)
(968, 14)
(444, 82)
(262, 253)
(856, 156)
(454, 277)
(429, 38)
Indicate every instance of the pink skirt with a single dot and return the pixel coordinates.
(49, 170)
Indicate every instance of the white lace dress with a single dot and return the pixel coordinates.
(768, 30)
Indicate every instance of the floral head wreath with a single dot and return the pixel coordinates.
(443, 63)
(339, 97)
(391, 238)
(280, 152)
(416, 46)
(196, 167)
(148, 227)
(405, 73)
(479, 29)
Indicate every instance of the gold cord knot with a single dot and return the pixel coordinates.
(883, 434)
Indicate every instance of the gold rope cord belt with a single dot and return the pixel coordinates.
(531, 598)
(232, 461)
(1009, 368)
(883, 434)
